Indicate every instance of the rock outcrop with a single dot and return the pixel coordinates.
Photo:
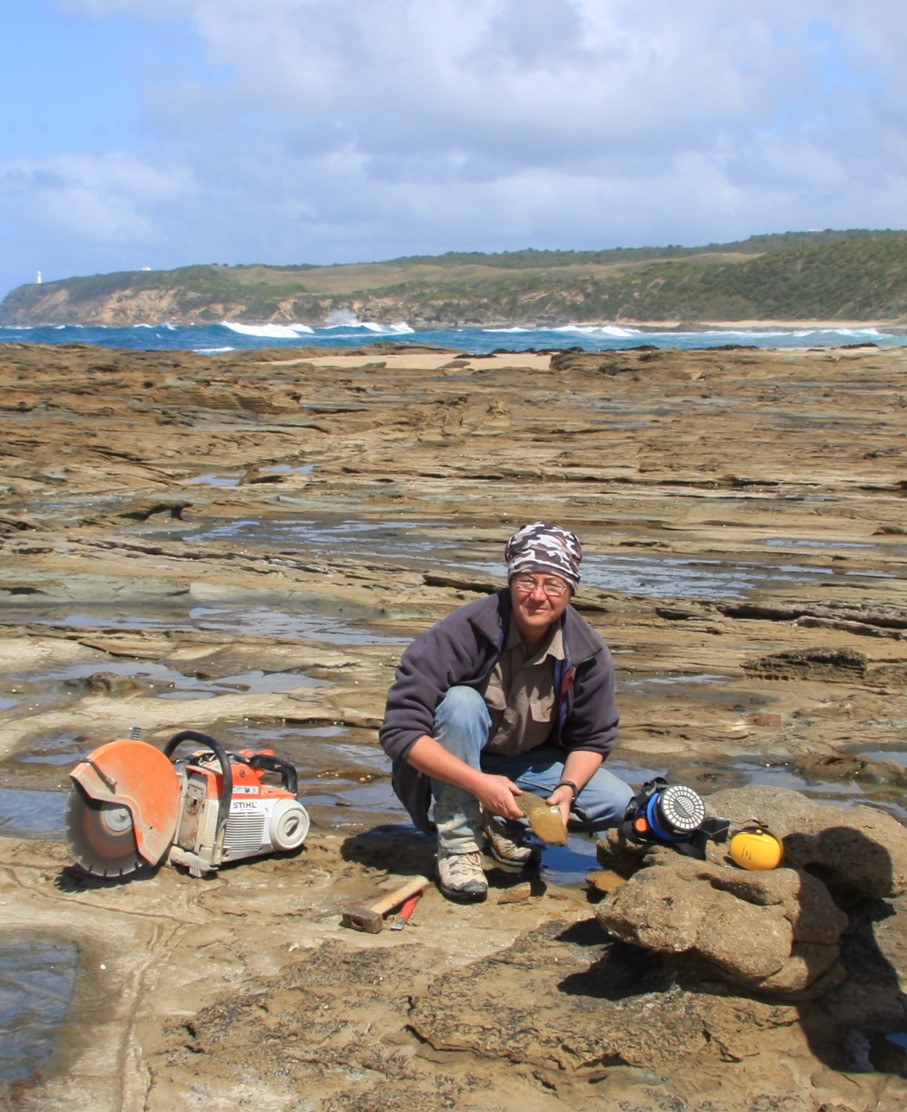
(776, 933)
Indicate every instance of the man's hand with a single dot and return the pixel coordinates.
(579, 768)
(562, 798)
(496, 793)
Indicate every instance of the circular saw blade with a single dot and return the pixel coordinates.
(101, 836)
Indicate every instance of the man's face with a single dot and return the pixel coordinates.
(538, 600)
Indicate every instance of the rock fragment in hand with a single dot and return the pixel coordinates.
(545, 821)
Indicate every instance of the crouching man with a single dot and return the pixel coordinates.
(510, 693)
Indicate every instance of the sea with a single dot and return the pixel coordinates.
(231, 336)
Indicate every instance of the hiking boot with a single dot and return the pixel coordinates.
(460, 876)
(506, 843)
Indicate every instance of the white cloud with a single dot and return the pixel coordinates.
(337, 130)
(107, 198)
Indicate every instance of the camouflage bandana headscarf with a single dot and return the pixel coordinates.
(544, 548)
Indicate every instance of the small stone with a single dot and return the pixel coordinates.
(604, 880)
(764, 719)
(519, 893)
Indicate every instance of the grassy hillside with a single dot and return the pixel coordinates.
(848, 275)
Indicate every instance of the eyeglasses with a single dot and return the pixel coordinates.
(553, 588)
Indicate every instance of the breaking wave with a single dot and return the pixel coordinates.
(344, 329)
(269, 331)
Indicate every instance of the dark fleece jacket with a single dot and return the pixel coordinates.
(463, 649)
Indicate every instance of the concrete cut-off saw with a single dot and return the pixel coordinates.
(133, 806)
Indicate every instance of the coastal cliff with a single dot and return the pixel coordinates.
(829, 276)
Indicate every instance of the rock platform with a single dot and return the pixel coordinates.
(242, 543)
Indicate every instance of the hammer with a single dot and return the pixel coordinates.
(370, 917)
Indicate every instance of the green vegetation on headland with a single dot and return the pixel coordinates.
(854, 275)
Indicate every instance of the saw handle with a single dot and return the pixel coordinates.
(269, 763)
(226, 789)
(191, 735)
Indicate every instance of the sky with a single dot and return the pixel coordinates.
(165, 133)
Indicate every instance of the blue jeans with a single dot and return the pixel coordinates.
(462, 723)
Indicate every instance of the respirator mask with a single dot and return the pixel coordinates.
(672, 816)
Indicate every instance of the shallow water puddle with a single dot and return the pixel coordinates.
(569, 864)
(834, 545)
(230, 480)
(413, 539)
(659, 576)
(302, 625)
(840, 793)
(55, 750)
(429, 544)
(896, 754)
(264, 474)
(104, 675)
(708, 687)
(31, 814)
(36, 983)
(328, 627)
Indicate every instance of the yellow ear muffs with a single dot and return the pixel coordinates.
(756, 847)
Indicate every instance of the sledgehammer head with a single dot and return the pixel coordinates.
(361, 917)
(370, 917)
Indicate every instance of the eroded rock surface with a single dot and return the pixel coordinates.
(243, 543)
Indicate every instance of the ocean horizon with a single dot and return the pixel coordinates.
(233, 336)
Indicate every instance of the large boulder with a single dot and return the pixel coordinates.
(859, 852)
(773, 932)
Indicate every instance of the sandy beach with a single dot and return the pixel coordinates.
(244, 543)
